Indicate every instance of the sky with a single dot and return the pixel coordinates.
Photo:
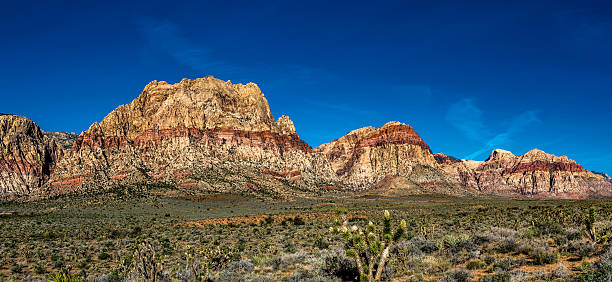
(468, 76)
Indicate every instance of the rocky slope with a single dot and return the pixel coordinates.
(64, 139)
(203, 134)
(211, 135)
(27, 156)
(534, 173)
(392, 156)
(395, 160)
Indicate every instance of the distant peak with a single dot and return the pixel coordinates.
(285, 125)
(502, 151)
(499, 153)
(361, 130)
(392, 123)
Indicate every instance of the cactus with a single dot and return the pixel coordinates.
(589, 223)
(370, 248)
(147, 262)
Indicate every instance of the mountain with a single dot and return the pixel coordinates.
(27, 156)
(534, 173)
(605, 176)
(204, 134)
(64, 139)
(392, 156)
(208, 135)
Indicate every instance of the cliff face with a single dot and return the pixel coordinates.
(64, 139)
(27, 156)
(187, 134)
(367, 155)
(211, 135)
(535, 173)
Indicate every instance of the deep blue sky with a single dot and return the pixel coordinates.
(469, 76)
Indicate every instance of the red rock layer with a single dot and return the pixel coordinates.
(444, 159)
(27, 156)
(22, 168)
(221, 136)
(544, 166)
(394, 134)
(93, 140)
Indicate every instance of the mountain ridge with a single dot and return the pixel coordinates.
(207, 134)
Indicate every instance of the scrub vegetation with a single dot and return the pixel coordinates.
(126, 236)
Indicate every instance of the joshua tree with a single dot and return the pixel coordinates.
(370, 249)
(589, 223)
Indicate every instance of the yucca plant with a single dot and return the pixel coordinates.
(589, 224)
(370, 247)
(64, 276)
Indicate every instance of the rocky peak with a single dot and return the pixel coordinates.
(285, 126)
(366, 155)
(500, 154)
(535, 173)
(441, 158)
(27, 156)
(178, 133)
(361, 131)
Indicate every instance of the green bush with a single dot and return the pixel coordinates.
(103, 256)
(542, 256)
(475, 264)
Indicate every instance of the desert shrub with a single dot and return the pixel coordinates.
(580, 248)
(406, 247)
(489, 260)
(459, 275)
(339, 265)
(284, 261)
(305, 275)
(561, 272)
(498, 277)
(505, 264)
(289, 247)
(508, 245)
(600, 271)
(103, 256)
(549, 228)
(542, 256)
(573, 234)
(268, 220)
(475, 264)
(455, 244)
(321, 243)
(298, 220)
(426, 246)
(241, 266)
(230, 276)
(17, 268)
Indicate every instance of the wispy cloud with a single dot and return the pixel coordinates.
(467, 118)
(168, 38)
(518, 124)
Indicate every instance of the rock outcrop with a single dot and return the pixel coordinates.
(394, 153)
(64, 139)
(535, 173)
(211, 135)
(202, 134)
(27, 156)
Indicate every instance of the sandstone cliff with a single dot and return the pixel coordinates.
(534, 173)
(27, 156)
(392, 156)
(64, 139)
(204, 134)
(211, 135)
